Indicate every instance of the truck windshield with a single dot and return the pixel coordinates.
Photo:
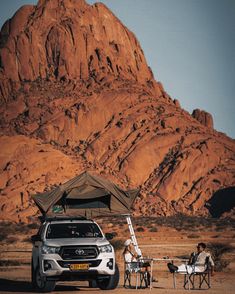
(73, 230)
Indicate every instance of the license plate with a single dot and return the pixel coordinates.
(78, 267)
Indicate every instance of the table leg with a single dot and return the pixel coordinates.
(151, 275)
(174, 280)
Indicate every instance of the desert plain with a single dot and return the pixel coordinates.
(175, 237)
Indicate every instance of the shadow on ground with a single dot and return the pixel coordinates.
(15, 286)
(7, 285)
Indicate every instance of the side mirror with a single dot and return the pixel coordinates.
(35, 238)
(109, 236)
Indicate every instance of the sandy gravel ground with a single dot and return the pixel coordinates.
(164, 242)
(17, 280)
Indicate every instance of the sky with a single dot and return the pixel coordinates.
(189, 44)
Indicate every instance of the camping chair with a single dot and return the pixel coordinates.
(176, 273)
(134, 268)
(189, 278)
(204, 277)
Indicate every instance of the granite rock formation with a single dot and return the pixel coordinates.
(67, 39)
(203, 117)
(77, 94)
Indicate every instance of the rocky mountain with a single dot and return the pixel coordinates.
(77, 94)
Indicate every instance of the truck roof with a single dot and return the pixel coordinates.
(64, 218)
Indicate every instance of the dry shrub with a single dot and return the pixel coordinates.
(27, 240)
(33, 226)
(217, 251)
(114, 234)
(8, 228)
(153, 229)
(117, 244)
(9, 262)
(193, 236)
(193, 223)
(179, 222)
(3, 236)
(140, 229)
(219, 229)
(11, 239)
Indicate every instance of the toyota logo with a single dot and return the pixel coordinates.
(79, 252)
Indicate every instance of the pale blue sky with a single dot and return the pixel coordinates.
(189, 44)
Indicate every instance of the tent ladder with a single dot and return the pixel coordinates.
(132, 234)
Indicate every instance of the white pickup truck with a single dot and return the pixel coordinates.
(68, 249)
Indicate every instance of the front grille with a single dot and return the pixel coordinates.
(78, 252)
(92, 263)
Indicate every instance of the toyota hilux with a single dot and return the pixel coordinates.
(72, 249)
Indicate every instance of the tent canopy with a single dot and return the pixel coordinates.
(88, 195)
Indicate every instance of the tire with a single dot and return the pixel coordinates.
(93, 284)
(111, 282)
(41, 284)
(33, 279)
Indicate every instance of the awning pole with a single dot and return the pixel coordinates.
(132, 234)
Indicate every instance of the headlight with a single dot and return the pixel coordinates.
(50, 250)
(105, 248)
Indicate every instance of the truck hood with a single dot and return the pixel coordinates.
(76, 241)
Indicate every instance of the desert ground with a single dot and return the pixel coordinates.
(175, 237)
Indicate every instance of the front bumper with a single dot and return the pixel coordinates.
(52, 265)
(77, 276)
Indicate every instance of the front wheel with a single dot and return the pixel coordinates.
(93, 284)
(111, 282)
(41, 283)
(33, 278)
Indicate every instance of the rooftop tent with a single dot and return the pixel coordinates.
(88, 195)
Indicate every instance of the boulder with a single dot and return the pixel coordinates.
(203, 117)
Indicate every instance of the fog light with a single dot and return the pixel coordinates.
(47, 265)
(110, 263)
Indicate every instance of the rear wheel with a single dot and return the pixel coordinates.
(41, 283)
(111, 282)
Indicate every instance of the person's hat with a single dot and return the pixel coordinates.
(127, 242)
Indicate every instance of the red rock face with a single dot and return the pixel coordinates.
(77, 94)
(67, 40)
(203, 117)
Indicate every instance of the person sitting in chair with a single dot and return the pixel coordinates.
(128, 255)
(197, 262)
(131, 257)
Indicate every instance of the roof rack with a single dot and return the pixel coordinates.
(44, 218)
